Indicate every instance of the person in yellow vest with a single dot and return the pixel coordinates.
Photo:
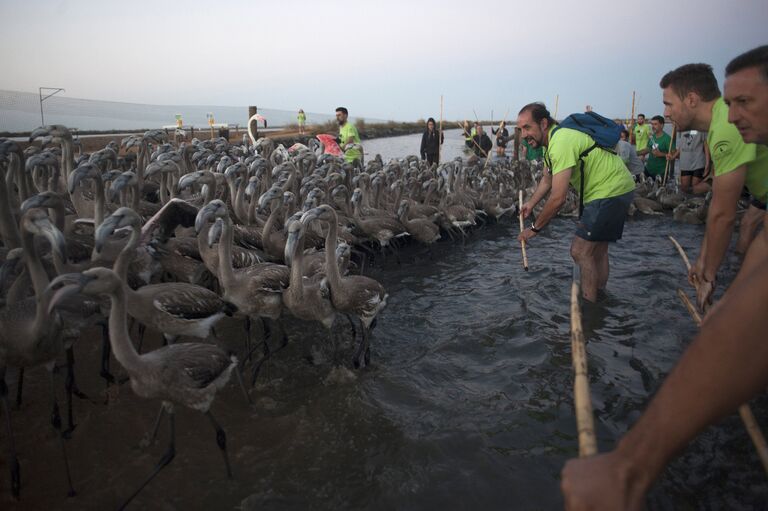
(692, 100)
(640, 134)
(349, 138)
(302, 120)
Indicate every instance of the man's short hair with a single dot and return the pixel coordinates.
(658, 118)
(641, 115)
(342, 110)
(626, 133)
(757, 57)
(697, 78)
(538, 111)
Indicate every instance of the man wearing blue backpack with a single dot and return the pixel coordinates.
(580, 152)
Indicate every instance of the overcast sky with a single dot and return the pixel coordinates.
(385, 59)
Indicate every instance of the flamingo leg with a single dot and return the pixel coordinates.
(56, 423)
(13, 461)
(170, 453)
(221, 441)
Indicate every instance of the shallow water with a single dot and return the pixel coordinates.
(468, 402)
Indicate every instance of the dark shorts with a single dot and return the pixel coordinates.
(603, 219)
(694, 173)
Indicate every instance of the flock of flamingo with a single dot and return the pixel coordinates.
(175, 237)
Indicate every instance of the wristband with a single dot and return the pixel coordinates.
(534, 229)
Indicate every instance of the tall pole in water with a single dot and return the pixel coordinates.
(440, 133)
(55, 90)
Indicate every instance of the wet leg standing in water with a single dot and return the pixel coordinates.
(572, 155)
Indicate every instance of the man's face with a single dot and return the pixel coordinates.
(531, 131)
(640, 120)
(746, 93)
(678, 109)
(341, 118)
(656, 126)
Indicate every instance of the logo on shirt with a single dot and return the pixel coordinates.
(721, 148)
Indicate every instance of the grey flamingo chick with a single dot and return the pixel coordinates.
(187, 374)
(357, 295)
(256, 290)
(305, 298)
(29, 335)
(174, 308)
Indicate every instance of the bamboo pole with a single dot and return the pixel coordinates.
(473, 141)
(666, 167)
(557, 103)
(745, 412)
(584, 419)
(440, 134)
(503, 122)
(522, 243)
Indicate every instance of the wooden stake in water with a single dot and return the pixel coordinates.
(522, 243)
(582, 402)
(745, 412)
(666, 167)
(440, 133)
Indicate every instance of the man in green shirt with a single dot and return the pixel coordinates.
(349, 138)
(692, 100)
(658, 147)
(608, 191)
(640, 134)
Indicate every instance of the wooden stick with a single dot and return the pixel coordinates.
(473, 141)
(745, 412)
(747, 417)
(557, 103)
(582, 402)
(522, 243)
(666, 167)
(681, 252)
(500, 125)
(440, 134)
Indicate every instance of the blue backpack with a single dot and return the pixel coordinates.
(603, 131)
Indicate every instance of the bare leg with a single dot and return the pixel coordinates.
(13, 461)
(584, 253)
(602, 265)
(685, 183)
(221, 441)
(164, 461)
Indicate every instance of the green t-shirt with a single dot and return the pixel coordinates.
(642, 134)
(729, 151)
(302, 117)
(605, 174)
(655, 165)
(532, 153)
(349, 135)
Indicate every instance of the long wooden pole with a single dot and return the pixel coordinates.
(632, 114)
(584, 418)
(440, 134)
(745, 412)
(473, 141)
(557, 103)
(666, 167)
(522, 243)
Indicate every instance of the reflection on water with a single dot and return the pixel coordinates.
(468, 402)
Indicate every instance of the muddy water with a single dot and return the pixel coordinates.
(467, 404)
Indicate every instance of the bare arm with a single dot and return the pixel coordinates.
(542, 189)
(727, 363)
(553, 204)
(726, 190)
